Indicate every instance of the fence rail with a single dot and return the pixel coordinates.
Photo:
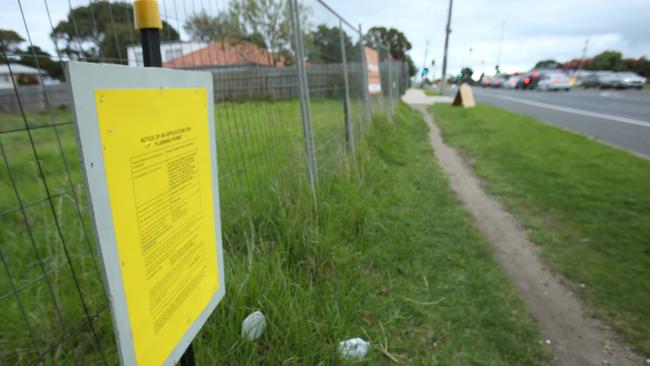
(274, 128)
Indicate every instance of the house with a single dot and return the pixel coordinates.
(226, 52)
(168, 51)
(24, 75)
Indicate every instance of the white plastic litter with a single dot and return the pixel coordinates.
(354, 349)
(253, 326)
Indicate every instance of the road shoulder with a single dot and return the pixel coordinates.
(575, 337)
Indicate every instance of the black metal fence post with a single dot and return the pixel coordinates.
(147, 21)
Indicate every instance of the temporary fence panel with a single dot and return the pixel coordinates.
(52, 296)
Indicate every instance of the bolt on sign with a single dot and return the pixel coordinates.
(147, 143)
(374, 78)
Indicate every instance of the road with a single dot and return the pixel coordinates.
(615, 117)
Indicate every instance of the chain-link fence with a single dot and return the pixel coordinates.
(291, 101)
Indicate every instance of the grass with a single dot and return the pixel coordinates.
(387, 254)
(384, 252)
(431, 92)
(586, 204)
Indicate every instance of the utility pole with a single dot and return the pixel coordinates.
(582, 59)
(424, 63)
(498, 67)
(443, 79)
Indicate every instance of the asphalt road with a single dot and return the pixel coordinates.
(616, 117)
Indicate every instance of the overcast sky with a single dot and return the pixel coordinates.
(533, 30)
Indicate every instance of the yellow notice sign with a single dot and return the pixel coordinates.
(156, 149)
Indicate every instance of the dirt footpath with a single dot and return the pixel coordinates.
(573, 335)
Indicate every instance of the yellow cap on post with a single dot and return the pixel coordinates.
(146, 14)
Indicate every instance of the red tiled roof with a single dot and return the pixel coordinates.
(226, 52)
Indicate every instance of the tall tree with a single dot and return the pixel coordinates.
(9, 40)
(395, 40)
(641, 66)
(51, 67)
(269, 19)
(101, 30)
(608, 60)
(204, 27)
(547, 64)
(224, 26)
(324, 45)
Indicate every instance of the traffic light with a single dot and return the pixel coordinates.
(425, 71)
(460, 75)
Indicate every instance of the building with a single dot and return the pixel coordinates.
(24, 75)
(168, 51)
(226, 52)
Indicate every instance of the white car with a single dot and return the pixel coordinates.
(511, 83)
(631, 80)
(553, 81)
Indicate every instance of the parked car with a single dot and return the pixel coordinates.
(528, 80)
(498, 82)
(601, 80)
(631, 80)
(553, 81)
(511, 83)
(486, 81)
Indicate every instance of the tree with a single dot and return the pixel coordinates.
(206, 28)
(547, 64)
(9, 41)
(45, 62)
(395, 40)
(101, 31)
(324, 45)
(411, 65)
(224, 26)
(608, 60)
(269, 19)
(640, 66)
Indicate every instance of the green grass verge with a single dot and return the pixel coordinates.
(386, 253)
(586, 204)
(431, 92)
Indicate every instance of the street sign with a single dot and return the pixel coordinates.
(374, 78)
(147, 141)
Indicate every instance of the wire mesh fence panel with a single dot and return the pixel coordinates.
(52, 298)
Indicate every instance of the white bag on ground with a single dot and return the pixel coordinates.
(354, 349)
(253, 326)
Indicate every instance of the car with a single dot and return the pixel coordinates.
(631, 80)
(486, 81)
(528, 81)
(511, 83)
(553, 81)
(497, 82)
(602, 80)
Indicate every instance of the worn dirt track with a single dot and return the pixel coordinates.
(575, 336)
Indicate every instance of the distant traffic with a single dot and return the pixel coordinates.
(558, 80)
